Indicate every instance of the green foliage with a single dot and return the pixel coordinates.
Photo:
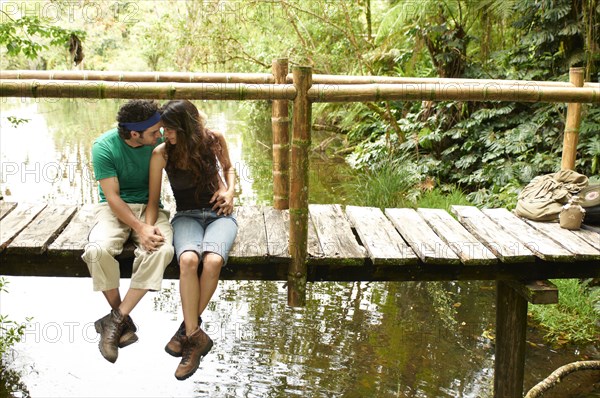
(489, 150)
(11, 332)
(23, 35)
(11, 384)
(589, 143)
(575, 317)
(16, 121)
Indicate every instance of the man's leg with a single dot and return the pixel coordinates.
(149, 267)
(106, 240)
(132, 298)
(113, 297)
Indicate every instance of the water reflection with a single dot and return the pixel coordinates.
(352, 339)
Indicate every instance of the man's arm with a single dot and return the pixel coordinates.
(150, 236)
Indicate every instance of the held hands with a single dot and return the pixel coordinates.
(223, 202)
(150, 237)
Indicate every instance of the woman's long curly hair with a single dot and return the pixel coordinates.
(197, 148)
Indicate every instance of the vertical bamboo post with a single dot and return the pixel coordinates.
(281, 140)
(572, 124)
(301, 123)
(511, 330)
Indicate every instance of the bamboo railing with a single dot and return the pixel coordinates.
(303, 88)
(460, 91)
(262, 78)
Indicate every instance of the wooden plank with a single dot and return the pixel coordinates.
(315, 251)
(590, 234)
(466, 246)
(5, 208)
(250, 244)
(540, 244)
(568, 239)
(277, 224)
(335, 235)
(501, 243)
(421, 238)
(511, 331)
(75, 236)
(34, 239)
(383, 243)
(536, 292)
(16, 221)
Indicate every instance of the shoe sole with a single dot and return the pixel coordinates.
(187, 375)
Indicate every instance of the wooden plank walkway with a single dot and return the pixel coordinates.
(355, 243)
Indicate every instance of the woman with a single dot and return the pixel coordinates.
(196, 161)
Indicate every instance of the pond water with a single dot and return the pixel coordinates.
(405, 339)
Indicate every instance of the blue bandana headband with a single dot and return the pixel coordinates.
(143, 125)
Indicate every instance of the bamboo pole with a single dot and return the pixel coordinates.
(299, 187)
(317, 93)
(262, 78)
(103, 89)
(168, 77)
(453, 91)
(281, 140)
(571, 136)
(347, 79)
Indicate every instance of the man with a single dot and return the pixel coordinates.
(121, 159)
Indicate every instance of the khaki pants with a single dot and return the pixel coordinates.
(106, 240)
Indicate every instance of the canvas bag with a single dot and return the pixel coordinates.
(543, 198)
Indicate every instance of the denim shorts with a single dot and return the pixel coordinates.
(201, 231)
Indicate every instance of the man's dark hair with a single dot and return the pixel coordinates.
(135, 111)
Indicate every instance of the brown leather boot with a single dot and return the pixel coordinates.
(128, 337)
(175, 345)
(195, 346)
(110, 328)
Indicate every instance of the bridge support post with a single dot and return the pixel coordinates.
(301, 138)
(571, 135)
(281, 141)
(511, 329)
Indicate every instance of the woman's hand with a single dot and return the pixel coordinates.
(223, 201)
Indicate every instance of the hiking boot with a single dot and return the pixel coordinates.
(128, 337)
(195, 346)
(175, 345)
(110, 328)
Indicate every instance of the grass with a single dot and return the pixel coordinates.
(393, 186)
(576, 317)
